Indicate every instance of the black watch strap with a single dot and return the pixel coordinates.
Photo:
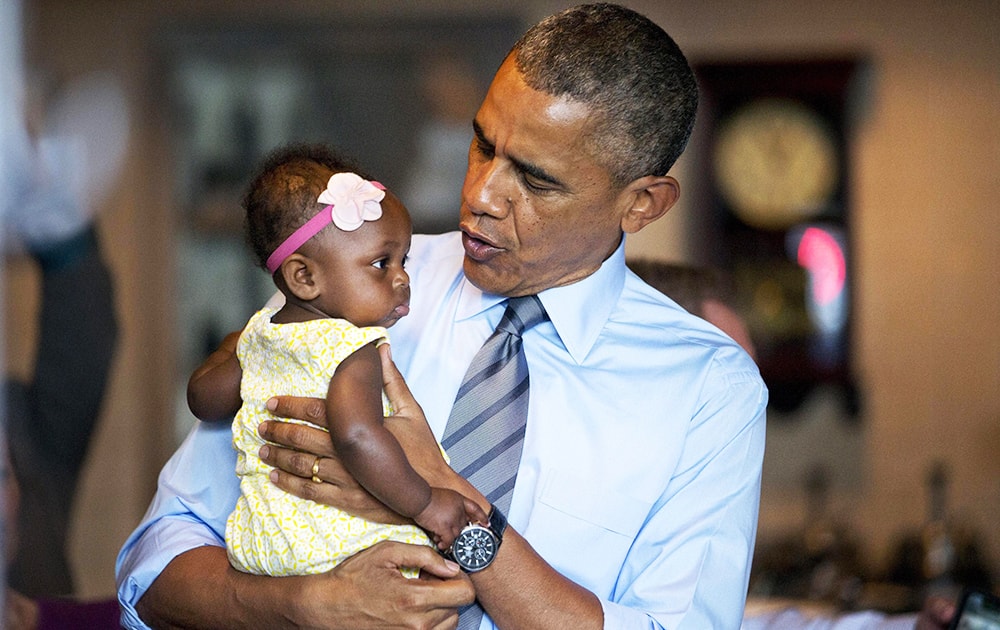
(498, 523)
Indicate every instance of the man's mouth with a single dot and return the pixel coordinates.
(477, 247)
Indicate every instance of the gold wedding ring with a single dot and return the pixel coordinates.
(315, 470)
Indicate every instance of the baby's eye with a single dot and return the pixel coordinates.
(381, 263)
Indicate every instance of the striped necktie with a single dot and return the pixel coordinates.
(485, 431)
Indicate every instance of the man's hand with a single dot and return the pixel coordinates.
(383, 598)
(409, 426)
(293, 473)
(365, 591)
(295, 449)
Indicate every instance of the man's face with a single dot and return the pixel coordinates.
(538, 209)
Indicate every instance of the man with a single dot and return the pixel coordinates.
(52, 418)
(635, 502)
(62, 160)
(47, 421)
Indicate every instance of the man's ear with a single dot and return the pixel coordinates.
(651, 196)
(299, 275)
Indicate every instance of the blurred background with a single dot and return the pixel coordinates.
(866, 254)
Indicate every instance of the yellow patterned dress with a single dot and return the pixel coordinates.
(272, 532)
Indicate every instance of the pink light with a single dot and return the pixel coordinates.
(821, 255)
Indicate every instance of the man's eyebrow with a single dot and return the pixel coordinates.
(530, 169)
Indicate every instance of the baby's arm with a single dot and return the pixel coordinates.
(370, 452)
(213, 391)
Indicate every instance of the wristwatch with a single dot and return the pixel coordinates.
(476, 546)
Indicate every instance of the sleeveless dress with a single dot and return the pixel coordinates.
(272, 532)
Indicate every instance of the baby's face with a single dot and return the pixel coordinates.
(365, 282)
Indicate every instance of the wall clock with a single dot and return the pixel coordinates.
(773, 139)
(776, 163)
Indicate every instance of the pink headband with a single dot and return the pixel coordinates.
(350, 201)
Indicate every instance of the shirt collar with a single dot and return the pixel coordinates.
(578, 311)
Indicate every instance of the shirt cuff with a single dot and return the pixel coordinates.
(618, 617)
(148, 555)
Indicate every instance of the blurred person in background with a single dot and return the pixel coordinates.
(52, 417)
(703, 291)
(61, 147)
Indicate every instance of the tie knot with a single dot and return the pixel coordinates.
(522, 313)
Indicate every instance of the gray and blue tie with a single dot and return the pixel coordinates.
(485, 431)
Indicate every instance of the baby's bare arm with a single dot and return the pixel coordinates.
(213, 391)
(368, 450)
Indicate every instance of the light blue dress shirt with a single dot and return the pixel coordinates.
(640, 476)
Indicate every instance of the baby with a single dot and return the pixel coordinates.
(335, 242)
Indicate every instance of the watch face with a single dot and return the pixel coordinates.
(776, 163)
(474, 548)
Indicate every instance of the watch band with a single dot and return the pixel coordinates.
(498, 523)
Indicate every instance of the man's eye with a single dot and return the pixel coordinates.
(534, 184)
(531, 184)
(485, 150)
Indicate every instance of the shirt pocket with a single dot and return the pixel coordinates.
(575, 517)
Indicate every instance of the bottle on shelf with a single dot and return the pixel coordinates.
(937, 538)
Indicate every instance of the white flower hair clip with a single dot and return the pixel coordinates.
(350, 201)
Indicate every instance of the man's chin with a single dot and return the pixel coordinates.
(485, 277)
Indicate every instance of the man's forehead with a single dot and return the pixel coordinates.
(516, 117)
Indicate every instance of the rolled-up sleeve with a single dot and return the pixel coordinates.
(196, 491)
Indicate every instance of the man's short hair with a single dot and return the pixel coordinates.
(629, 70)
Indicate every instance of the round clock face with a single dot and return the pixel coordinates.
(775, 163)
(474, 548)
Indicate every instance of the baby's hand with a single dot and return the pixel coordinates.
(446, 514)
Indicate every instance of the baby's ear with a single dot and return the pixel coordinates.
(297, 272)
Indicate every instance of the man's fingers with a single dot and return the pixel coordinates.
(395, 387)
(432, 599)
(429, 562)
(301, 463)
(308, 409)
(299, 437)
(325, 493)
(294, 472)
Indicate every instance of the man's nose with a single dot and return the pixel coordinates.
(487, 188)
